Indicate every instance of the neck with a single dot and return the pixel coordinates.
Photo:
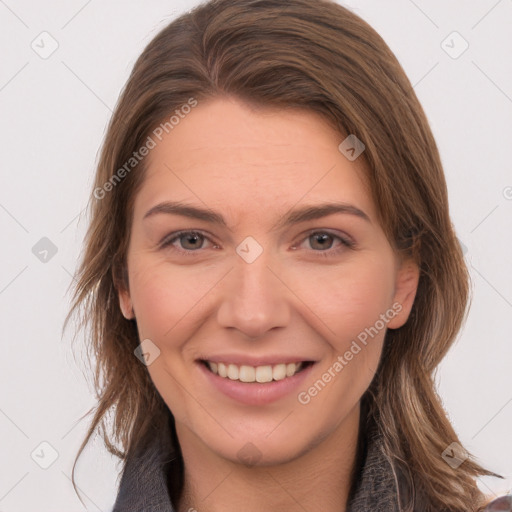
(319, 479)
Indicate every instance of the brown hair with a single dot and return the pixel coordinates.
(312, 54)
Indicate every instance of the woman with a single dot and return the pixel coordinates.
(271, 274)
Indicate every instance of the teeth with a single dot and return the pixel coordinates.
(247, 374)
(279, 371)
(233, 372)
(264, 374)
(290, 369)
(261, 374)
(222, 370)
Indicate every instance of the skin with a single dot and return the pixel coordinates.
(253, 167)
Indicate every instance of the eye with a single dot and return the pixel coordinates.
(190, 241)
(323, 241)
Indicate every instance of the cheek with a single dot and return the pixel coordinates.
(351, 304)
(349, 298)
(168, 307)
(163, 296)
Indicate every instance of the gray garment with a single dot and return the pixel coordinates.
(143, 486)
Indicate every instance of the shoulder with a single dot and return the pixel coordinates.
(501, 504)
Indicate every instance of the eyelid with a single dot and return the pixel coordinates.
(171, 237)
(344, 237)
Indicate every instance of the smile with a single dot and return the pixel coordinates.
(265, 381)
(261, 374)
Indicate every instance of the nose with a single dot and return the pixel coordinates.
(254, 298)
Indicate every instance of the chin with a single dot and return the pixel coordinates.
(263, 450)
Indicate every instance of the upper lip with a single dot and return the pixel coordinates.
(241, 359)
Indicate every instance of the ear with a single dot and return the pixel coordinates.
(123, 293)
(125, 303)
(406, 285)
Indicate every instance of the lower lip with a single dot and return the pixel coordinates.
(256, 393)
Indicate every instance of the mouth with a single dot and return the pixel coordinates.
(254, 381)
(256, 374)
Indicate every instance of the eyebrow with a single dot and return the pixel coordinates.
(296, 216)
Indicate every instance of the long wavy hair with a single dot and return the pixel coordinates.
(317, 55)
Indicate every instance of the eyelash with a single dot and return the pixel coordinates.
(345, 243)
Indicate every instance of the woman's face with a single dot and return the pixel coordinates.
(268, 280)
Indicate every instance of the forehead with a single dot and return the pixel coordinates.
(246, 162)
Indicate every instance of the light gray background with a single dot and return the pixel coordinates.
(54, 113)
